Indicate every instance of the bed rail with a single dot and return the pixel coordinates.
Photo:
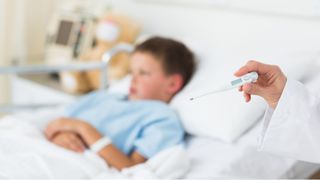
(40, 69)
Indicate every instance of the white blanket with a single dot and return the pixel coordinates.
(25, 153)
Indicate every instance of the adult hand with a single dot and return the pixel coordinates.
(69, 140)
(269, 86)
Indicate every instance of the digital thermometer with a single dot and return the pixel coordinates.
(245, 79)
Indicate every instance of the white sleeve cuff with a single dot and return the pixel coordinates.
(273, 117)
(266, 121)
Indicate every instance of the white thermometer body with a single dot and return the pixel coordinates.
(245, 79)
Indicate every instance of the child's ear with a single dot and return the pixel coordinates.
(175, 84)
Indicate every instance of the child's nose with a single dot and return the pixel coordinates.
(134, 79)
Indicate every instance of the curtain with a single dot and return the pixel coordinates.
(5, 43)
(23, 27)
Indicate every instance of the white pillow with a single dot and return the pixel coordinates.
(120, 86)
(225, 115)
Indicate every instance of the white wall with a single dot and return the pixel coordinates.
(219, 25)
(252, 29)
(239, 34)
(255, 33)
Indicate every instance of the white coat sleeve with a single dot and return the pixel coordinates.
(293, 128)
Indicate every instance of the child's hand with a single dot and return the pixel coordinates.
(63, 124)
(88, 133)
(69, 140)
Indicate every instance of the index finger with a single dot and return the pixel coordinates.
(50, 132)
(252, 66)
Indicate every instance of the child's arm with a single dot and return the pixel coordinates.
(90, 135)
(110, 153)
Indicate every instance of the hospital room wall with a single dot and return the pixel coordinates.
(232, 29)
(237, 30)
(227, 27)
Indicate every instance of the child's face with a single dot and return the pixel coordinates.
(149, 80)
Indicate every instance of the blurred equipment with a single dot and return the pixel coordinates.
(70, 34)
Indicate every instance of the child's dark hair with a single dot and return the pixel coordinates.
(175, 57)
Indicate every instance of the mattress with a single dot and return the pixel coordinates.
(211, 158)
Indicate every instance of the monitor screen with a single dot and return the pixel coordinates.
(64, 32)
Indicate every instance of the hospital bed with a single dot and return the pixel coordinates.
(209, 157)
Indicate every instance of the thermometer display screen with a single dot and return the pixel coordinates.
(235, 82)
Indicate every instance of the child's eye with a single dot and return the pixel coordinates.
(144, 73)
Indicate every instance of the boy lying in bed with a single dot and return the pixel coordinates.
(126, 130)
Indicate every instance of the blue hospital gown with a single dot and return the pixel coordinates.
(143, 126)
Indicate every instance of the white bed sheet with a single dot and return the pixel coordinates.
(211, 158)
(215, 159)
(25, 153)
